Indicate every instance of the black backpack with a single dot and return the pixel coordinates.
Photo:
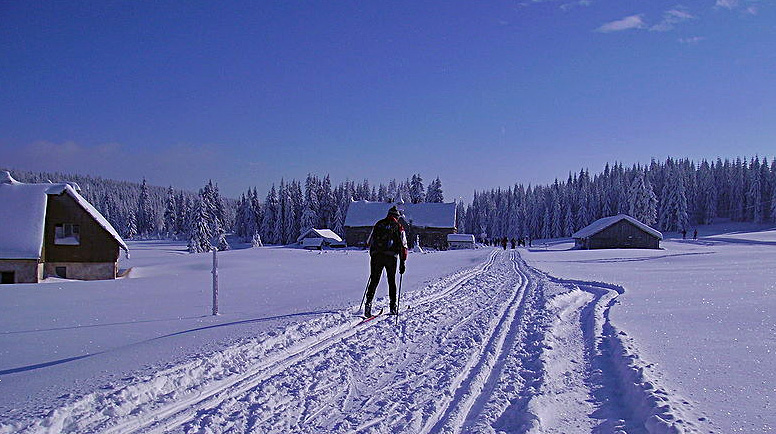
(384, 236)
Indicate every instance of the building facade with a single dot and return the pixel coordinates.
(617, 232)
(51, 230)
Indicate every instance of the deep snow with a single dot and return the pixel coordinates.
(486, 344)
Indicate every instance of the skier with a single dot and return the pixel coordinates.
(387, 242)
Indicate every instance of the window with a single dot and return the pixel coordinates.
(7, 277)
(61, 272)
(67, 234)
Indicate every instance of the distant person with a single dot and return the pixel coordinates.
(684, 234)
(504, 243)
(387, 243)
(695, 234)
(513, 242)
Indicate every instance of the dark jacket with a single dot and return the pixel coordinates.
(399, 247)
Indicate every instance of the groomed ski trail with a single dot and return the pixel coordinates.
(499, 347)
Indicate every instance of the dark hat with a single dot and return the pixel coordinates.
(393, 212)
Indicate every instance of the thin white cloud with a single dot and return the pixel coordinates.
(693, 40)
(627, 23)
(671, 18)
(727, 4)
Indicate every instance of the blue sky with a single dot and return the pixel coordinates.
(481, 94)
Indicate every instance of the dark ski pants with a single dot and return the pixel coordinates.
(377, 262)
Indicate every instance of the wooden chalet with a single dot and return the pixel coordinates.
(617, 232)
(51, 230)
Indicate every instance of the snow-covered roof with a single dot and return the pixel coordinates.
(469, 238)
(601, 224)
(320, 233)
(434, 215)
(23, 216)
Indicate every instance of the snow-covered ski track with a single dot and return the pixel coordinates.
(499, 347)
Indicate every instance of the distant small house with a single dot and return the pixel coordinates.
(617, 232)
(428, 222)
(460, 241)
(320, 238)
(51, 230)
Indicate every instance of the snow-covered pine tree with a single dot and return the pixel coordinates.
(773, 191)
(434, 193)
(131, 229)
(643, 202)
(706, 200)
(199, 233)
(339, 222)
(327, 206)
(737, 190)
(271, 215)
(170, 211)
(297, 205)
(754, 193)
(460, 216)
(222, 244)
(256, 240)
(673, 211)
(416, 190)
(145, 213)
(310, 215)
(183, 207)
(280, 218)
(557, 219)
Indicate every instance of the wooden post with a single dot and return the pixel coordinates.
(215, 283)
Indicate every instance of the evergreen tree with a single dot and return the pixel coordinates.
(673, 210)
(416, 190)
(131, 230)
(643, 202)
(199, 233)
(434, 193)
(271, 214)
(222, 244)
(145, 213)
(170, 212)
(754, 195)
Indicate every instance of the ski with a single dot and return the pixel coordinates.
(370, 318)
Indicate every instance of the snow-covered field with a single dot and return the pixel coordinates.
(533, 340)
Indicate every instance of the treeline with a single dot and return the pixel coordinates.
(673, 195)
(670, 195)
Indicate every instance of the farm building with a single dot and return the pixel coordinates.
(431, 222)
(51, 230)
(320, 238)
(617, 232)
(460, 241)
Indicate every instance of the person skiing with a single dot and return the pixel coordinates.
(386, 242)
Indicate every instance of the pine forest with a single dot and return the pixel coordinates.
(673, 195)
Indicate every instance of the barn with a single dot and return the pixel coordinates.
(51, 230)
(319, 238)
(617, 232)
(428, 222)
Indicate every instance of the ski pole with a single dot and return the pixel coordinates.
(363, 299)
(398, 298)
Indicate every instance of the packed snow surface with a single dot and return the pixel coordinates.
(541, 340)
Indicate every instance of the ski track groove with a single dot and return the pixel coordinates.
(470, 383)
